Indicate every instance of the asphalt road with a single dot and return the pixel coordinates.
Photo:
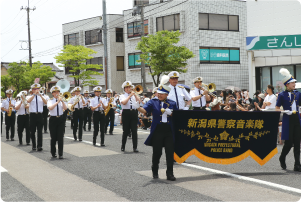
(94, 173)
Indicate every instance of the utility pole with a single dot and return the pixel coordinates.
(27, 8)
(104, 18)
(142, 63)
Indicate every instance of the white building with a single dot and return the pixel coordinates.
(273, 42)
(215, 31)
(88, 32)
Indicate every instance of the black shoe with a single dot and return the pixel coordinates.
(111, 133)
(282, 163)
(40, 148)
(103, 145)
(28, 144)
(61, 157)
(171, 177)
(84, 129)
(12, 139)
(20, 143)
(135, 150)
(122, 148)
(297, 168)
(155, 175)
(45, 131)
(80, 140)
(89, 129)
(71, 128)
(34, 148)
(94, 143)
(54, 156)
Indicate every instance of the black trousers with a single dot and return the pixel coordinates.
(163, 138)
(199, 108)
(57, 130)
(110, 118)
(87, 117)
(23, 123)
(10, 125)
(294, 139)
(99, 120)
(129, 124)
(1, 121)
(64, 118)
(45, 115)
(36, 122)
(78, 116)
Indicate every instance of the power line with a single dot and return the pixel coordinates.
(12, 28)
(10, 50)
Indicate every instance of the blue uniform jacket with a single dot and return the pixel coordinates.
(154, 106)
(284, 100)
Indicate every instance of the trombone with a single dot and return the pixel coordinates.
(138, 89)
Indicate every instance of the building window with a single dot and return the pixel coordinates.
(220, 22)
(141, 2)
(96, 61)
(120, 63)
(170, 23)
(93, 36)
(134, 29)
(119, 34)
(219, 55)
(72, 39)
(133, 57)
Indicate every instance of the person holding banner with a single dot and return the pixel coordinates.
(199, 97)
(161, 134)
(291, 129)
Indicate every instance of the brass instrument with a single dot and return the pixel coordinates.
(211, 87)
(71, 106)
(10, 109)
(138, 89)
(162, 109)
(110, 105)
(65, 96)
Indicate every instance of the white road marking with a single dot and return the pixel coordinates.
(71, 138)
(3, 169)
(271, 184)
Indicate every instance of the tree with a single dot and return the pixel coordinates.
(39, 70)
(5, 81)
(17, 72)
(75, 58)
(162, 55)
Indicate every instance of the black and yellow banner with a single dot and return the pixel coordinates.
(225, 137)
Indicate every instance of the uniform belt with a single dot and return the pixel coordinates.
(57, 116)
(99, 111)
(77, 108)
(35, 112)
(129, 109)
(22, 114)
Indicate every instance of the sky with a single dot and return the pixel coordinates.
(45, 25)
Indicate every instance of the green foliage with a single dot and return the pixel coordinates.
(75, 58)
(39, 70)
(5, 83)
(17, 73)
(162, 54)
(2, 94)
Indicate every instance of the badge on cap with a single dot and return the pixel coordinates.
(175, 74)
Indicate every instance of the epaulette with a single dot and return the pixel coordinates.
(51, 98)
(181, 86)
(192, 89)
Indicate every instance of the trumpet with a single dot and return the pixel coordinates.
(65, 96)
(71, 106)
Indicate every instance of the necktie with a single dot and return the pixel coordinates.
(98, 103)
(57, 107)
(130, 103)
(37, 103)
(78, 105)
(200, 98)
(177, 98)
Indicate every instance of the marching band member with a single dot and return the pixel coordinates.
(30, 92)
(291, 131)
(199, 96)
(23, 118)
(45, 109)
(178, 92)
(98, 105)
(56, 121)
(155, 93)
(129, 114)
(1, 114)
(71, 113)
(78, 113)
(87, 111)
(111, 114)
(36, 117)
(161, 132)
(9, 120)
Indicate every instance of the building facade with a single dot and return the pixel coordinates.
(273, 42)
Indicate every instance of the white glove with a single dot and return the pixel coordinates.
(168, 111)
(186, 108)
(288, 112)
(136, 105)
